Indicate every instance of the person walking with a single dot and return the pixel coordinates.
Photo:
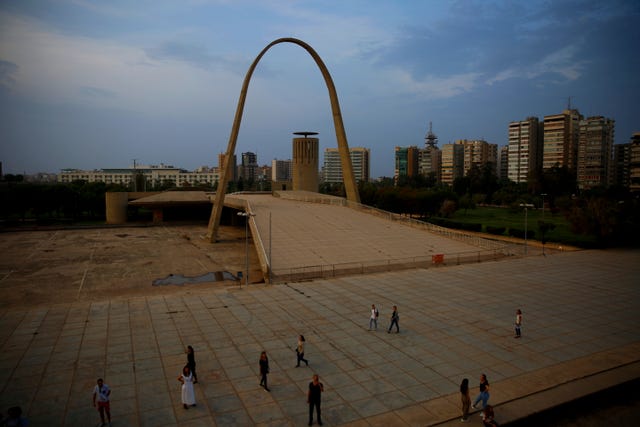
(314, 396)
(300, 351)
(484, 392)
(15, 418)
(394, 320)
(264, 370)
(188, 394)
(518, 323)
(373, 320)
(191, 363)
(488, 417)
(101, 393)
(465, 399)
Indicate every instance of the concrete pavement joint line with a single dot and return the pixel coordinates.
(136, 398)
(86, 270)
(41, 243)
(74, 375)
(5, 276)
(184, 345)
(23, 356)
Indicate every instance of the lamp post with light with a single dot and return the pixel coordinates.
(525, 206)
(246, 216)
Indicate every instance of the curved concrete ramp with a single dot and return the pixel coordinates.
(323, 239)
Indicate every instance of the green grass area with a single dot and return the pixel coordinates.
(506, 217)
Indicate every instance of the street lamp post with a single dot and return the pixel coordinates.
(246, 216)
(526, 220)
(544, 225)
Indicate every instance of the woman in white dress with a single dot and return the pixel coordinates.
(188, 394)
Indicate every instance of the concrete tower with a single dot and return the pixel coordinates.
(305, 162)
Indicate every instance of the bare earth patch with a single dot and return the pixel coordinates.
(61, 266)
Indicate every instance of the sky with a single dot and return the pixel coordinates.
(92, 84)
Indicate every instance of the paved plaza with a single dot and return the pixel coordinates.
(581, 312)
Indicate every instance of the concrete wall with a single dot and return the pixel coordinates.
(116, 206)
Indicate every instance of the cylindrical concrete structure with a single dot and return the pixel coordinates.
(305, 164)
(116, 207)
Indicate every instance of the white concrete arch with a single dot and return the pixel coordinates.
(343, 148)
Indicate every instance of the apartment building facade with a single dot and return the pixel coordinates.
(478, 152)
(561, 138)
(595, 149)
(634, 162)
(248, 168)
(152, 174)
(525, 149)
(406, 162)
(360, 162)
(452, 163)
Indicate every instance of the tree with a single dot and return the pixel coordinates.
(558, 181)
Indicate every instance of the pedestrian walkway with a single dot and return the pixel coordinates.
(581, 311)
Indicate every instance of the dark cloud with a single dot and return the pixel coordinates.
(529, 40)
(7, 72)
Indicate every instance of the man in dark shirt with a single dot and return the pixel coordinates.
(394, 320)
(313, 398)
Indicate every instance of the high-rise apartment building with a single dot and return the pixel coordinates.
(503, 163)
(621, 165)
(406, 162)
(430, 162)
(634, 163)
(525, 149)
(249, 166)
(281, 170)
(477, 152)
(452, 163)
(233, 170)
(595, 148)
(561, 135)
(332, 168)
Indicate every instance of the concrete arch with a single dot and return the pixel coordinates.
(343, 148)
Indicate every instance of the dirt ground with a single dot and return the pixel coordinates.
(62, 266)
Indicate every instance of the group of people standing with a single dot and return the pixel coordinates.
(373, 320)
(483, 396)
(188, 378)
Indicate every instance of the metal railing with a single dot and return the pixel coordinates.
(325, 271)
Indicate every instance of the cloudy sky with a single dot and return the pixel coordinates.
(93, 84)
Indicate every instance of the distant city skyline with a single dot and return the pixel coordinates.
(93, 85)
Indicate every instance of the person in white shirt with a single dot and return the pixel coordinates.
(518, 323)
(101, 394)
(373, 320)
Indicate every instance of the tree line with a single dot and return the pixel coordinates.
(611, 214)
